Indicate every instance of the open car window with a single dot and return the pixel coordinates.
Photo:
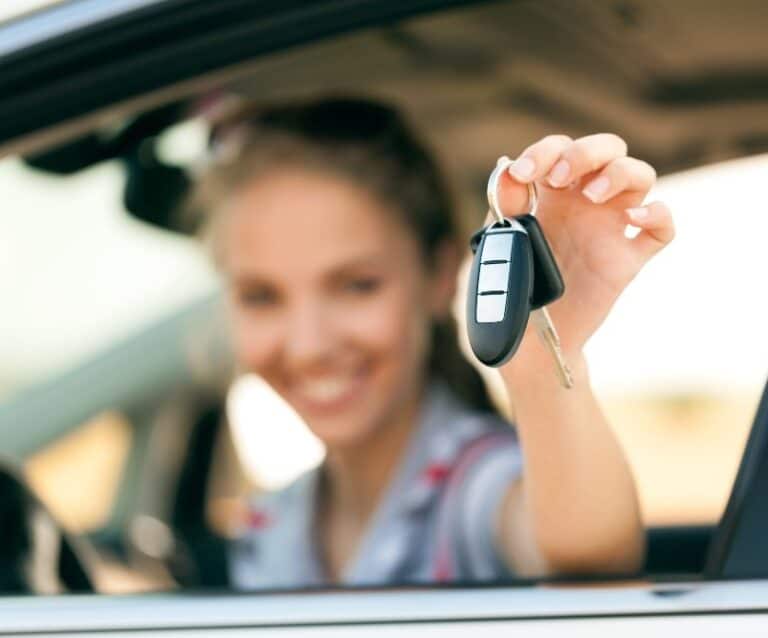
(681, 372)
(90, 291)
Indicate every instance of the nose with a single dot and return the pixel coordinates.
(309, 337)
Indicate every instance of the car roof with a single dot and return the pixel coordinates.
(82, 56)
(682, 84)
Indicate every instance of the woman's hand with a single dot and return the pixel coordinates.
(576, 509)
(589, 191)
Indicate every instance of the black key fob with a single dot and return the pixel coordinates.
(499, 291)
(548, 285)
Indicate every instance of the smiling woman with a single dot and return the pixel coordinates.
(682, 423)
(335, 236)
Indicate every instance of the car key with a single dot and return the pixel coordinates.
(548, 286)
(548, 283)
(497, 314)
(498, 301)
(548, 334)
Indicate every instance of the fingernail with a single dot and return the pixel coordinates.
(638, 214)
(597, 188)
(523, 168)
(559, 174)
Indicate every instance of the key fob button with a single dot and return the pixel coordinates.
(490, 308)
(498, 293)
(493, 277)
(497, 247)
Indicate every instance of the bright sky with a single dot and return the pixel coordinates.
(76, 273)
(696, 317)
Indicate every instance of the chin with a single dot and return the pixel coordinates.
(342, 430)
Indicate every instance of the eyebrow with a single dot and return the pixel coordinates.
(364, 262)
(361, 262)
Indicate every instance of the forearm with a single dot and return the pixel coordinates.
(578, 490)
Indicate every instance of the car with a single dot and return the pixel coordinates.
(122, 476)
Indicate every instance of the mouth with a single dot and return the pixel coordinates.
(328, 393)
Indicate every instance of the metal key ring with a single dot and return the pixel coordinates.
(502, 164)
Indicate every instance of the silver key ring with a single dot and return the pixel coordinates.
(502, 164)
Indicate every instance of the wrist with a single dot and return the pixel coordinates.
(533, 363)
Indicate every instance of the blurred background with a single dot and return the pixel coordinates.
(679, 365)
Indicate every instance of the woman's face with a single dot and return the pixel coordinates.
(330, 300)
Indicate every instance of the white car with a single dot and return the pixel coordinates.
(122, 457)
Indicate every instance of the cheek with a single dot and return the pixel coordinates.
(395, 326)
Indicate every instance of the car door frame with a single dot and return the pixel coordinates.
(58, 80)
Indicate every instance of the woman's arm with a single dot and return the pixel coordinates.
(576, 508)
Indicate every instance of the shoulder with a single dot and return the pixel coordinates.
(487, 447)
(486, 461)
(456, 442)
(459, 426)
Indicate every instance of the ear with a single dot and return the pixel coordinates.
(445, 271)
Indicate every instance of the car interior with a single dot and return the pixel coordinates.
(683, 84)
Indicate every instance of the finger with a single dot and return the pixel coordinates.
(537, 160)
(620, 175)
(585, 155)
(656, 225)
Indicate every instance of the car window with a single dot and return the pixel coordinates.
(182, 469)
(680, 371)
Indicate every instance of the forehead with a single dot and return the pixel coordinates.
(292, 219)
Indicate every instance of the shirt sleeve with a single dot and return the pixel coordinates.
(481, 486)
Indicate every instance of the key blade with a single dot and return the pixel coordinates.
(546, 330)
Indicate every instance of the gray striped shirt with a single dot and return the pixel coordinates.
(435, 522)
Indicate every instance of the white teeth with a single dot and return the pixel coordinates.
(325, 389)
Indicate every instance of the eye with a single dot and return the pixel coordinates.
(257, 297)
(362, 285)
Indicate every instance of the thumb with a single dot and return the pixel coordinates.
(656, 228)
(513, 196)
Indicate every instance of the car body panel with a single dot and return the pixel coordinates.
(362, 609)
